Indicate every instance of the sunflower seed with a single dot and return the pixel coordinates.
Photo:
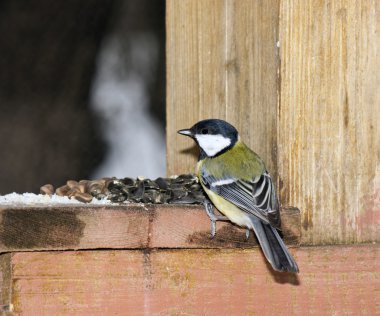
(62, 191)
(83, 197)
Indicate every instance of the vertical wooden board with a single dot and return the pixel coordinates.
(195, 59)
(222, 62)
(252, 78)
(5, 283)
(329, 135)
(341, 280)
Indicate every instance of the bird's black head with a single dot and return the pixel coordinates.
(213, 136)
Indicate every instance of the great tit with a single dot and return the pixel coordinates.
(237, 183)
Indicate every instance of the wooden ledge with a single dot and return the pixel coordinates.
(333, 280)
(132, 226)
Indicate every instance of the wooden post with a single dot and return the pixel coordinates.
(300, 80)
(222, 62)
(329, 139)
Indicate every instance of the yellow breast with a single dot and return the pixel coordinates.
(234, 214)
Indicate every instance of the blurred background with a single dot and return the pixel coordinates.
(82, 91)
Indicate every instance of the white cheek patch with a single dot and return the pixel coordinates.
(212, 144)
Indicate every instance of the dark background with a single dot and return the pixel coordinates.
(48, 51)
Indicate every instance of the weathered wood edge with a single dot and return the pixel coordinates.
(5, 283)
(132, 226)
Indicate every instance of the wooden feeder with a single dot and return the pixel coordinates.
(300, 80)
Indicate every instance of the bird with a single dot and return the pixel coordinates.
(239, 186)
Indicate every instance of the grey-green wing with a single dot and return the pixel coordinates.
(256, 197)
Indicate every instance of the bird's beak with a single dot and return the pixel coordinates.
(186, 132)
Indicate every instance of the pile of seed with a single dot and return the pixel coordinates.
(183, 189)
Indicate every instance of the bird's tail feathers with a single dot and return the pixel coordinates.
(273, 247)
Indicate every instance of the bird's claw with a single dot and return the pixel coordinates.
(213, 229)
(247, 234)
(213, 218)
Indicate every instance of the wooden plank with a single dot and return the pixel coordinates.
(329, 144)
(68, 227)
(342, 280)
(195, 75)
(252, 70)
(222, 62)
(190, 228)
(319, 132)
(133, 226)
(5, 283)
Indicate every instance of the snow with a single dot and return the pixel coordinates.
(120, 98)
(34, 199)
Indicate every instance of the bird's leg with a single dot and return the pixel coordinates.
(247, 234)
(213, 218)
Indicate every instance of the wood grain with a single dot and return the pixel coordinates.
(5, 283)
(133, 226)
(329, 135)
(334, 280)
(26, 228)
(316, 125)
(222, 62)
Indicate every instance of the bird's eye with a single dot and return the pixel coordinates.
(204, 131)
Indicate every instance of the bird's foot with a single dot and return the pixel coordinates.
(246, 234)
(213, 218)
